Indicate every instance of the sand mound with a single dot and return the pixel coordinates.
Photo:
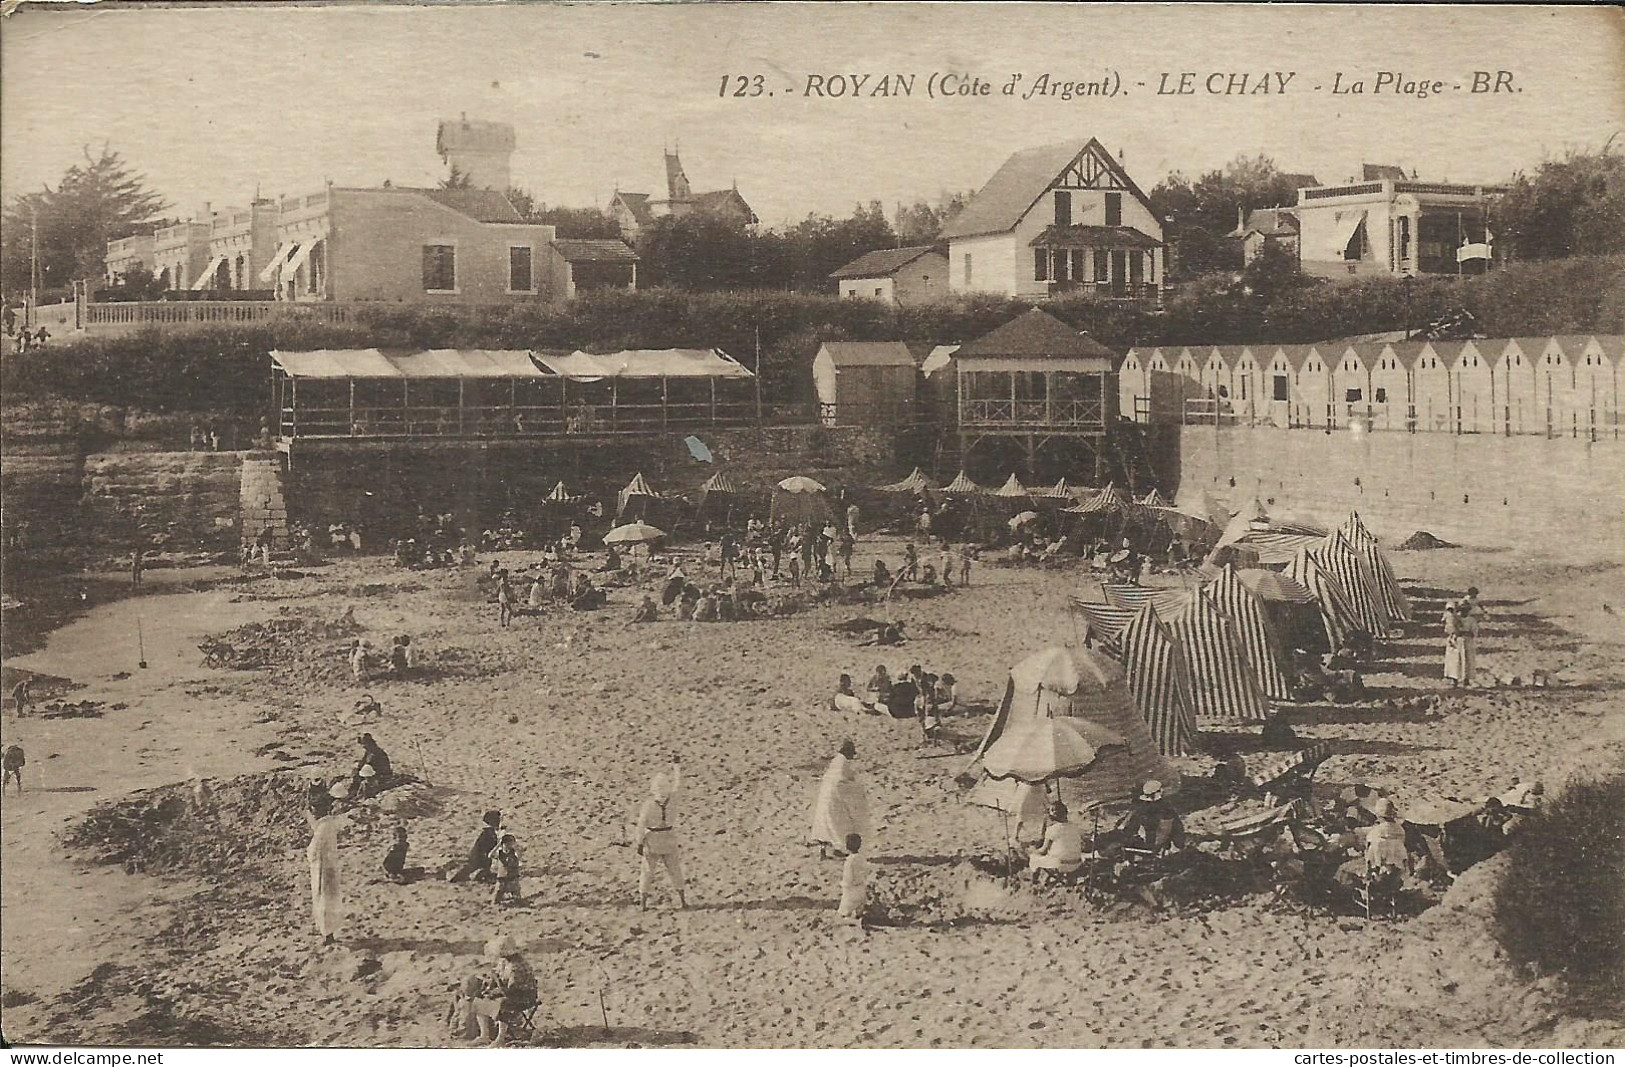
(288, 640)
(166, 829)
(1421, 540)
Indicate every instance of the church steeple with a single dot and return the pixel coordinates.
(676, 181)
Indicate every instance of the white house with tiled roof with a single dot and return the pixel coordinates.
(1054, 220)
(913, 275)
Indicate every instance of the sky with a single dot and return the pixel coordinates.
(211, 103)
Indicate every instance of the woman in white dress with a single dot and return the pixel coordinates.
(1460, 641)
(323, 856)
(842, 806)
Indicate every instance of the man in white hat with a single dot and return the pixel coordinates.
(1154, 822)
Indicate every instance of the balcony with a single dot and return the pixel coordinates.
(1004, 413)
(1144, 295)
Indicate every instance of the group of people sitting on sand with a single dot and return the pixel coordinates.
(401, 661)
(917, 694)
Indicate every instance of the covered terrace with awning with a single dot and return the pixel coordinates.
(484, 393)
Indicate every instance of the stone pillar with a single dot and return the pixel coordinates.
(262, 502)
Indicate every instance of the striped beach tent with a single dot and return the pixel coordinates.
(915, 483)
(1082, 684)
(962, 486)
(560, 495)
(1012, 489)
(1335, 613)
(1103, 623)
(1366, 544)
(1059, 491)
(1258, 639)
(1154, 499)
(1109, 499)
(719, 483)
(1223, 683)
(1160, 680)
(1354, 581)
(1167, 601)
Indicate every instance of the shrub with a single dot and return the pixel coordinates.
(1559, 906)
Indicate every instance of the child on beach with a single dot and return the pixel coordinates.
(854, 881)
(505, 862)
(395, 858)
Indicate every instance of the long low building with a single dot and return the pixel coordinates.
(1561, 386)
(370, 394)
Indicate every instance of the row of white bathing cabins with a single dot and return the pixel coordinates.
(1564, 386)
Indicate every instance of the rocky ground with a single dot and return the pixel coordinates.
(137, 911)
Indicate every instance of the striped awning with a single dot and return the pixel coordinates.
(1159, 678)
(206, 279)
(962, 485)
(1272, 585)
(1223, 683)
(1263, 649)
(1132, 597)
(438, 363)
(268, 272)
(1103, 623)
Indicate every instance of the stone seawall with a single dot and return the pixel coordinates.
(1480, 490)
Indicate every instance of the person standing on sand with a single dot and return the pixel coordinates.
(13, 762)
(1459, 641)
(854, 881)
(322, 854)
(842, 805)
(358, 661)
(657, 839)
(395, 858)
(137, 563)
(504, 599)
(20, 696)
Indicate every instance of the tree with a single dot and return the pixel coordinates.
(1205, 210)
(920, 223)
(457, 179)
(97, 201)
(1571, 206)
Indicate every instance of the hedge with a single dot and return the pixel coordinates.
(227, 368)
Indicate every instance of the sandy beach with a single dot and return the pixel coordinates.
(561, 720)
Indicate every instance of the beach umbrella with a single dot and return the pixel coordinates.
(1023, 519)
(799, 501)
(633, 533)
(697, 449)
(1038, 750)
